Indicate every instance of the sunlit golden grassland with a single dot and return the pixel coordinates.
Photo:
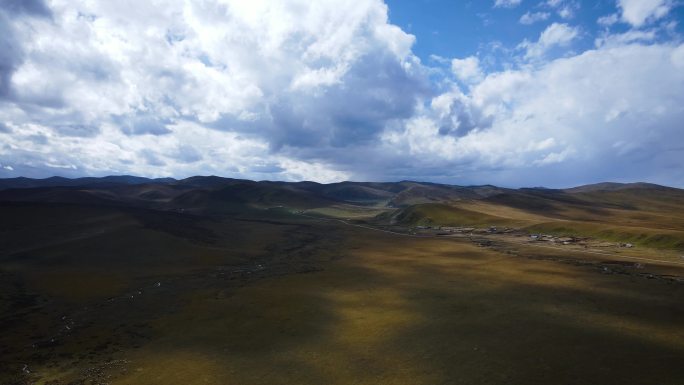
(644, 221)
(295, 300)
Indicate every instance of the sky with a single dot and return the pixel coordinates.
(515, 93)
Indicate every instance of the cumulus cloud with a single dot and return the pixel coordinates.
(640, 12)
(467, 70)
(455, 115)
(11, 54)
(285, 74)
(573, 118)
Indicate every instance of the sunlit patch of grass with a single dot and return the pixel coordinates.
(448, 215)
(648, 237)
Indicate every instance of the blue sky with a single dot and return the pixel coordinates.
(452, 29)
(510, 92)
(460, 28)
(464, 28)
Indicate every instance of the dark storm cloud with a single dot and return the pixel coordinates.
(375, 92)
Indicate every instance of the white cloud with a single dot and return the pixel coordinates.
(257, 75)
(677, 57)
(555, 35)
(640, 12)
(533, 17)
(506, 3)
(609, 20)
(632, 36)
(566, 9)
(567, 115)
(467, 70)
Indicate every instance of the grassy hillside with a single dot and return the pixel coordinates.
(445, 215)
(642, 236)
(651, 218)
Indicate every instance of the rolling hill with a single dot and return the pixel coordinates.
(640, 213)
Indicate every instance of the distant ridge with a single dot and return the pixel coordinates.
(614, 186)
(58, 181)
(359, 189)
